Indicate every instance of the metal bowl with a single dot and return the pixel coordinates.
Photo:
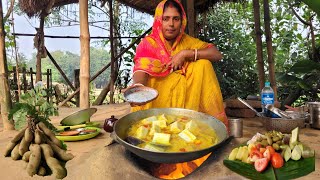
(283, 125)
(78, 117)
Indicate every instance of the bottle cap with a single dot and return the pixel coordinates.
(267, 84)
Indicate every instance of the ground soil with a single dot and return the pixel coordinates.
(82, 150)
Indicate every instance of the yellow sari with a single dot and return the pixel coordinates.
(195, 88)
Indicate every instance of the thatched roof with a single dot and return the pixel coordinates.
(36, 7)
(149, 6)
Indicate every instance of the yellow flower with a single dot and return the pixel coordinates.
(158, 13)
(162, 52)
(156, 69)
(157, 63)
(144, 63)
(152, 42)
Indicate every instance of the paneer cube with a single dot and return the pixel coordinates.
(192, 126)
(187, 135)
(170, 119)
(155, 148)
(141, 132)
(176, 127)
(160, 123)
(162, 117)
(161, 139)
(149, 120)
(155, 128)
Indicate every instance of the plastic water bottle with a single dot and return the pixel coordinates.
(267, 97)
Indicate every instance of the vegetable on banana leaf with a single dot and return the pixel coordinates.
(290, 170)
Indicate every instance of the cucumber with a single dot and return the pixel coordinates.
(233, 154)
(240, 153)
(296, 153)
(294, 136)
(287, 154)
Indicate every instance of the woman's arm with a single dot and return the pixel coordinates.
(140, 77)
(211, 53)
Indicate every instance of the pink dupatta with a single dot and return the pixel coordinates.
(153, 52)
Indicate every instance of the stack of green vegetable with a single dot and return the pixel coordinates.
(36, 143)
(38, 146)
(288, 157)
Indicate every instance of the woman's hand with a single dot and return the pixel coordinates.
(178, 60)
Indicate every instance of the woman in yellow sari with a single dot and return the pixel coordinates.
(177, 65)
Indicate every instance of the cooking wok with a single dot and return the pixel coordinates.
(123, 124)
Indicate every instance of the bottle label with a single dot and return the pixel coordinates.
(267, 98)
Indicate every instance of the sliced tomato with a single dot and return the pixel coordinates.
(262, 150)
(267, 154)
(258, 145)
(255, 154)
(272, 151)
(261, 164)
(277, 160)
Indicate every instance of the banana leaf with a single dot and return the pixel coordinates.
(314, 5)
(248, 170)
(291, 169)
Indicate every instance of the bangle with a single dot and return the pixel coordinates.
(137, 84)
(195, 54)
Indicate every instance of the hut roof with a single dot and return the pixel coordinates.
(35, 7)
(149, 6)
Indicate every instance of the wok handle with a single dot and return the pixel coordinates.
(114, 139)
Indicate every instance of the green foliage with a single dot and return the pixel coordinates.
(228, 26)
(34, 104)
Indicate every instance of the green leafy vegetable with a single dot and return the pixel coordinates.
(34, 104)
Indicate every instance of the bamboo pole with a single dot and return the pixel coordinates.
(77, 85)
(260, 64)
(272, 76)
(74, 37)
(24, 80)
(84, 55)
(5, 98)
(112, 54)
(16, 56)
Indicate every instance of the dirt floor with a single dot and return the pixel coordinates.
(82, 150)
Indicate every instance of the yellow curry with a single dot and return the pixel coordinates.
(168, 133)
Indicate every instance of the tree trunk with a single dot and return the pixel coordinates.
(271, 66)
(113, 77)
(260, 64)
(39, 42)
(116, 44)
(191, 17)
(5, 98)
(84, 55)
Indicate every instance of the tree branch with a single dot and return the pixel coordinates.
(297, 15)
(9, 11)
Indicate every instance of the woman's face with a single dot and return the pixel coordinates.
(171, 23)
